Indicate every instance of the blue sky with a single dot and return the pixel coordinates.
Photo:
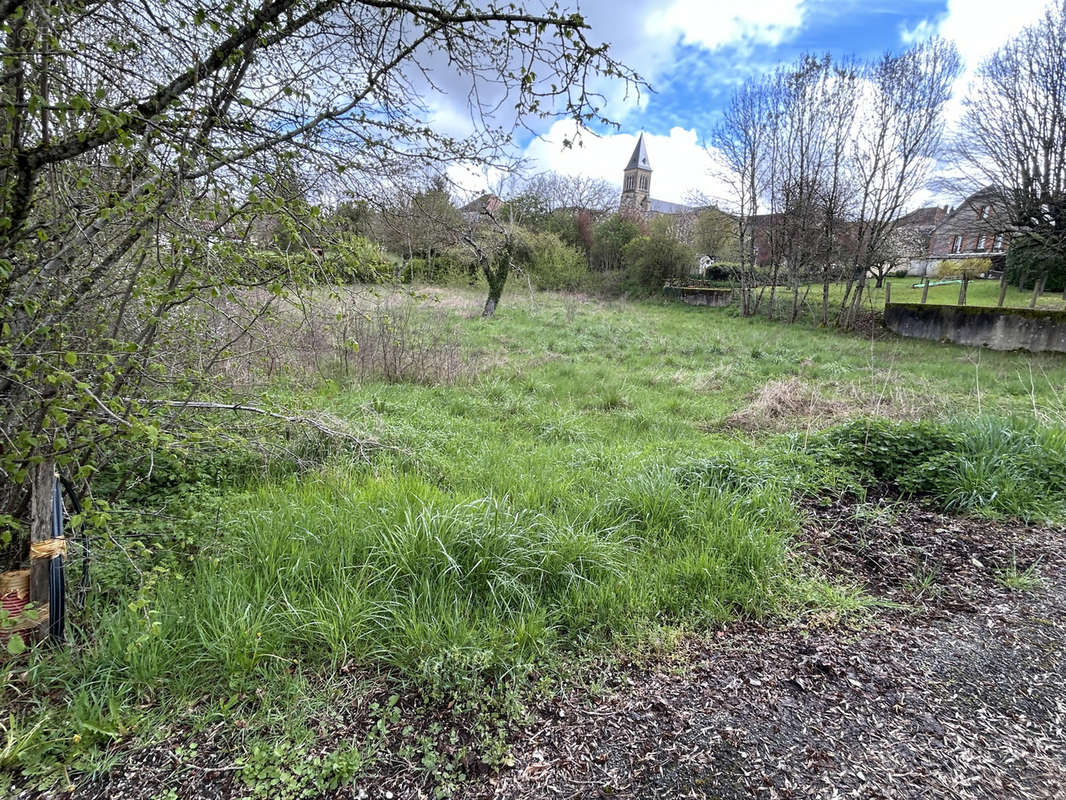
(694, 52)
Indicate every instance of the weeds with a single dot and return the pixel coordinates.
(1026, 580)
(552, 510)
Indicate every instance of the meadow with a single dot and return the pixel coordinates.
(599, 478)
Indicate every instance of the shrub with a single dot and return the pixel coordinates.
(555, 265)
(957, 267)
(988, 465)
(650, 261)
(610, 239)
(1028, 259)
(881, 450)
(356, 259)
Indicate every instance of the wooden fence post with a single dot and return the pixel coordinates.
(962, 289)
(888, 292)
(1002, 289)
(43, 479)
(1038, 290)
(925, 290)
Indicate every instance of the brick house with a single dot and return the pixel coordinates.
(976, 229)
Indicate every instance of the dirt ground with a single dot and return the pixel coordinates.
(958, 695)
(953, 689)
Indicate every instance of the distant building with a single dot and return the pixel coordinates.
(636, 187)
(483, 205)
(977, 229)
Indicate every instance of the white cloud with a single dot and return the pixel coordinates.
(680, 164)
(980, 27)
(714, 24)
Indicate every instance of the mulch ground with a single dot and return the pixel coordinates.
(956, 688)
(960, 694)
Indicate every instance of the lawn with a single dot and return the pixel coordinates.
(603, 478)
(909, 290)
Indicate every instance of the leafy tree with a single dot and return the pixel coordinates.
(609, 239)
(651, 261)
(716, 235)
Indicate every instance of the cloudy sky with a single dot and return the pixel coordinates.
(694, 52)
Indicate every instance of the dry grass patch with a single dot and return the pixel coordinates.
(790, 403)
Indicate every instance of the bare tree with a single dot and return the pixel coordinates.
(898, 137)
(831, 153)
(740, 139)
(557, 192)
(138, 141)
(1013, 136)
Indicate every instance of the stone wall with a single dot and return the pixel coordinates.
(1036, 330)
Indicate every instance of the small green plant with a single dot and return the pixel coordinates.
(1025, 580)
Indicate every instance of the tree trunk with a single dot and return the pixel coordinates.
(1002, 289)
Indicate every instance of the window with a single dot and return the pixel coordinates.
(983, 212)
(997, 243)
(981, 242)
(956, 244)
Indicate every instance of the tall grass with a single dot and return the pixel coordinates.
(355, 569)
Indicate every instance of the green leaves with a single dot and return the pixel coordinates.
(16, 645)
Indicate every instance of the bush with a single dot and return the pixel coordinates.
(1029, 259)
(650, 261)
(957, 267)
(356, 259)
(554, 265)
(992, 466)
(609, 241)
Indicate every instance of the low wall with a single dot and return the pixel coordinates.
(701, 295)
(1036, 330)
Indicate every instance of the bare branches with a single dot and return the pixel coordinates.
(145, 151)
(1013, 135)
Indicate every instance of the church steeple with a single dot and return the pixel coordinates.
(636, 179)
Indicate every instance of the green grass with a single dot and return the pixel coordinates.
(580, 493)
(978, 293)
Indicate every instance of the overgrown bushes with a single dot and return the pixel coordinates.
(1028, 260)
(652, 260)
(990, 466)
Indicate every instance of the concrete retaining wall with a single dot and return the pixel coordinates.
(701, 295)
(1035, 330)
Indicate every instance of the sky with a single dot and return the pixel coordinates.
(695, 52)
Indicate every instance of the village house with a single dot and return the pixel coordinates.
(975, 230)
(485, 204)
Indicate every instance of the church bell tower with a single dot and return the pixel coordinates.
(636, 180)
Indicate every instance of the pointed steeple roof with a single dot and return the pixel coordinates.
(639, 159)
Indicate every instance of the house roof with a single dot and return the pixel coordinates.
(485, 201)
(639, 159)
(923, 217)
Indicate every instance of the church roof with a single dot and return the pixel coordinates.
(666, 207)
(640, 156)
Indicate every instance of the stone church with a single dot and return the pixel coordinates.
(636, 187)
